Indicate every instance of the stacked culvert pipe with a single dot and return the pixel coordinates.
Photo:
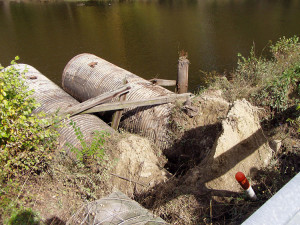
(52, 98)
(86, 76)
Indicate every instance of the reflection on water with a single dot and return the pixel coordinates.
(143, 37)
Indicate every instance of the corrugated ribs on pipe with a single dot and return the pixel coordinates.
(87, 76)
(52, 98)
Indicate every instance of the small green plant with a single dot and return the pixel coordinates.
(25, 143)
(8, 197)
(24, 217)
(208, 78)
(251, 69)
(92, 150)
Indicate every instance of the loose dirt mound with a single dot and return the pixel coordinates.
(242, 146)
(139, 163)
(193, 137)
(221, 140)
(130, 165)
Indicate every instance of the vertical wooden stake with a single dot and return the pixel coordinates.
(118, 114)
(183, 75)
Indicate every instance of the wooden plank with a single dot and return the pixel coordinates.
(118, 114)
(74, 110)
(137, 103)
(162, 82)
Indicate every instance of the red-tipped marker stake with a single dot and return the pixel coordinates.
(240, 177)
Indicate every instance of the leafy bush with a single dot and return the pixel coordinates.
(24, 140)
(252, 70)
(285, 47)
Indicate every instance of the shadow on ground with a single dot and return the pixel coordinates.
(54, 221)
(210, 203)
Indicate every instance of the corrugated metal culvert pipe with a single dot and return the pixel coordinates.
(53, 98)
(86, 76)
(116, 208)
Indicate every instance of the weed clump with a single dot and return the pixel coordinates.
(24, 216)
(272, 84)
(88, 151)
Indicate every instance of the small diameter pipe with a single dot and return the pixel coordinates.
(241, 178)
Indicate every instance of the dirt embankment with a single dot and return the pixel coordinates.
(212, 140)
(220, 140)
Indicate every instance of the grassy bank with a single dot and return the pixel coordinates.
(269, 83)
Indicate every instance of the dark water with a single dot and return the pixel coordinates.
(143, 36)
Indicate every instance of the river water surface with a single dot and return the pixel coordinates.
(143, 37)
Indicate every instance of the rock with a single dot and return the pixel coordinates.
(191, 111)
(275, 145)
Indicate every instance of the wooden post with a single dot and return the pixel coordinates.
(183, 75)
(118, 114)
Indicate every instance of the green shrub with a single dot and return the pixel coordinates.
(252, 70)
(276, 93)
(285, 47)
(24, 140)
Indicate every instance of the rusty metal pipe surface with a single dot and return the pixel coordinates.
(52, 98)
(86, 76)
